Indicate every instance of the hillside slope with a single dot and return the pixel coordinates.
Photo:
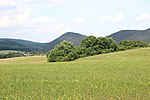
(128, 55)
(19, 45)
(120, 75)
(143, 35)
(29, 46)
(76, 38)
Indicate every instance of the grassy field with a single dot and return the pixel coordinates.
(115, 76)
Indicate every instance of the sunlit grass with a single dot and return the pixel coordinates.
(24, 60)
(121, 75)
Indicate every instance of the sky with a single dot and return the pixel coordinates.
(45, 20)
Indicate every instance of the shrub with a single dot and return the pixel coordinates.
(66, 51)
(128, 44)
(61, 52)
(93, 45)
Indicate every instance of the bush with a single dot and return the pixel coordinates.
(61, 52)
(100, 45)
(66, 51)
(128, 44)
(140, 44)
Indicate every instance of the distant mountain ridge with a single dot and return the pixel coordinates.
(143, 35)
(19, 45)
(28, 46)
(75, 38)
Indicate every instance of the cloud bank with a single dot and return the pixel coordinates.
(108, 18)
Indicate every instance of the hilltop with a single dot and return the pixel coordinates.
(19, 45)
(29, 46)
(143, 35)
(75, 38)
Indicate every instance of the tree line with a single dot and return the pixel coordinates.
(67, 51)
(11, 55)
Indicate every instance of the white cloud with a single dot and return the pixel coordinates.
(21, 31)
(108, 18)
(143, 17)
(28, 0)
(45, 20)
(20, 18)
(37, 25)
(56, 1)
(79, 20)
(119, 17)
(85, 6)
(59, 28)
(47, 2)
(7, 3)
(53, 25)
(5, 22)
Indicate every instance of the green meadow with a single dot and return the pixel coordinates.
(121, 75)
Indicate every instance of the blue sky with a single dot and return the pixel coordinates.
(45, 20)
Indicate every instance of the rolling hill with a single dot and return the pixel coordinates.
(28, 46)
(76, 38)
(19, 45)
(143, 35)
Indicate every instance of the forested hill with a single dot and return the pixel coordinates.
(20, 45)
(75, 38)
(143, 35)
(28, 46)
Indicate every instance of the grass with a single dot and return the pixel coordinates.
(24, 60)
(121, 75)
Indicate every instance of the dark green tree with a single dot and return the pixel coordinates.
(106, 45)
(92, 45)
(61, 52)
(139, 43)
(126, 44)
(90, 41)
(87, 46)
